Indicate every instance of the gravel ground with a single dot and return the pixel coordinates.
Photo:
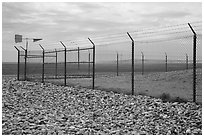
(34, 108)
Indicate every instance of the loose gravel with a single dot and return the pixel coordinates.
(41, 109)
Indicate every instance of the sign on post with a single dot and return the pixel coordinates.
(18, 38)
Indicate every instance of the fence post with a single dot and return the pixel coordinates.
(89, 64)
(56, 64)
(117, 64)
(166, 58)
(18, 67)
(186, 61)
(25, 66)
(43, 64)
(93, 82)
(133, 50)
(78, 57)
(194, 62)
(65, 63)
(142, 63)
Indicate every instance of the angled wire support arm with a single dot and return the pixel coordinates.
(133, 50)
(65, 63)
(93, 76)
(194, 61)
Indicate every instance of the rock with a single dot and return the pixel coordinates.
(188, 131)
(49, 109)
(175, 103)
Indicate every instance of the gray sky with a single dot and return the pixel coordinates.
(56, 22)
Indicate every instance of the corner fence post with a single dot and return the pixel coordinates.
(93, 76)
(43, 63)
(142, 63)
(166, 65)
(194, 62)
(117, 63)
(56, 64)
(133, 50)
(18, 67)
(65, 63)
(25, 65)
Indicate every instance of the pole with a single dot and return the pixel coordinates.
(166, 61)
(25, 62)
(26, 43)
(186, 61)
(56, 65)
(142, 63)
(25, 65)
(89, 64)
(194, 68)
(194, 62)
(78, 58)
(43, 64)
(94, 53)
(132, 63)
(26, 53)
(18, 67)
(117, 64)
(65, 64)
(93, 76)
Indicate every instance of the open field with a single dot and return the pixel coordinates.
(155, 82)
(36, 68)
(175, 83)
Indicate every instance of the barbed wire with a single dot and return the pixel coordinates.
(144, 34)
(145, 29)
(163, 40)
(174, 31)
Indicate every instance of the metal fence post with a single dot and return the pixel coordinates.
(89, 58)
(25, 66)
(117, 63)
(133, 50)
(43, 64)
(65, 63)
(142, 63)
(186, 61)
(194, 62)
(78, 57)
(93, 82)
(166, 58)
(56, 64)
(18, 67)
(94, 53)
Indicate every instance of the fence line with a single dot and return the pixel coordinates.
(134, 42)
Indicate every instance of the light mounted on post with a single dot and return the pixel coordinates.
(34, 40)
(19, 38)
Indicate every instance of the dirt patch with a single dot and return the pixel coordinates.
(175, 83)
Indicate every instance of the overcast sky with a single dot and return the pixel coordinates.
(56, 22)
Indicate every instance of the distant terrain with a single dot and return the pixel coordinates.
(150, 66)
(177, 82)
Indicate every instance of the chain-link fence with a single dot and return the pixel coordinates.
(161, 62)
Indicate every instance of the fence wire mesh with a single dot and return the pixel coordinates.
(163, 62)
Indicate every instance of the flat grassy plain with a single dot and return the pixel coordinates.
(177, 82)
